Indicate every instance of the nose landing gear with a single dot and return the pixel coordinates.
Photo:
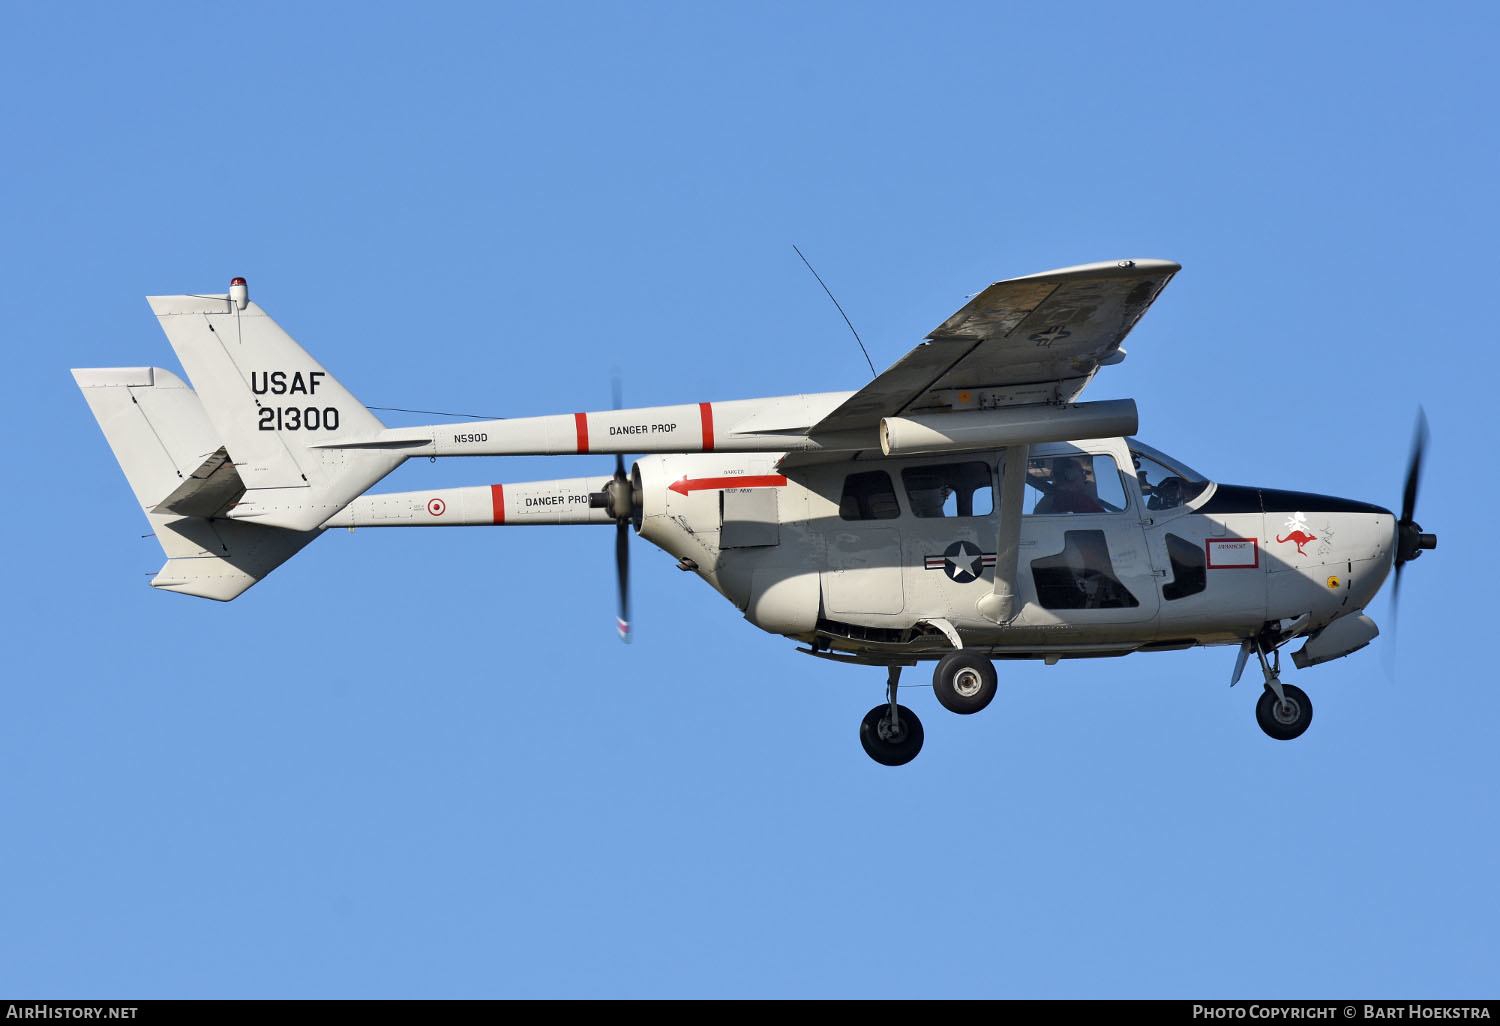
(1283, 710)
(1285, 717)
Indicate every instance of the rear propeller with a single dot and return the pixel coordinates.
(622, 499)
(1410, 541)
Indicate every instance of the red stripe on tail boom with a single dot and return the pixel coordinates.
(706, 412)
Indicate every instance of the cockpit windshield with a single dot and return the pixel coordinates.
(1165, 483)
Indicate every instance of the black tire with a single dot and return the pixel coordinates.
(964, 681)
(1284, 724)
(888, 750)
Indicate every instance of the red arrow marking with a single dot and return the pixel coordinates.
(713, 483)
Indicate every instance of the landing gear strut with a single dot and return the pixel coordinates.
(891, 734)
(1283, 710)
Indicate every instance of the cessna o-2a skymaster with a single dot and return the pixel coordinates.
(962, 507)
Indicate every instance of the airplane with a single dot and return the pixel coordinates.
(963, 507)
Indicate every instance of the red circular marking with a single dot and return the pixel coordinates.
(437, 507)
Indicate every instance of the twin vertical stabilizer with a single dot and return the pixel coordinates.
(184, 481)
(270, 403)
(226, 474)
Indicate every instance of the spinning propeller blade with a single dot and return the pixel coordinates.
(622, 502)
(622, 557)
(1410, 541)
(1414, 469)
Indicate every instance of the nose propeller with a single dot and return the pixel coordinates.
(1410, 540)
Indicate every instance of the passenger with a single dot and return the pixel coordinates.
(1070, 490)
(928, 498)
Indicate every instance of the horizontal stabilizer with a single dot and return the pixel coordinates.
(222, 558)
(208, 491)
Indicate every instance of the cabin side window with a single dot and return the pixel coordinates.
(1080, 576)
(869, 496)
(950, 490)
(1075, 483)
(1189, 573)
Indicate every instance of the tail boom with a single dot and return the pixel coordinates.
(776, 424)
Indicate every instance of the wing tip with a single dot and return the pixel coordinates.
(1106, 269)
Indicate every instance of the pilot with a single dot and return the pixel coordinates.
(1166, 495)
(1070, 490)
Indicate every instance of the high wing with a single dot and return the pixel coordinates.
(1037, 339)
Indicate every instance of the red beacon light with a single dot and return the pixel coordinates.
(239, 292)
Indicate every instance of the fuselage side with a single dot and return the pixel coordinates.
(874, 557)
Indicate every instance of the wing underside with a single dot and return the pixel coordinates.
(1037, 339)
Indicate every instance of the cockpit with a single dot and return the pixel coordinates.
(1165, 483)
(1084, 482)
(1071, 481)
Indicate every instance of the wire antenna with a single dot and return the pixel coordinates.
(435, 413)
(845, 316)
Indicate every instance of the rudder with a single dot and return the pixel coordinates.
(271, 403)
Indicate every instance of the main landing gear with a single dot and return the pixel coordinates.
(964, 682)
(891, 733)
(1283, 710)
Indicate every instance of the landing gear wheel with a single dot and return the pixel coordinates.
(887, 745)
(964, 681)
(1284, 722)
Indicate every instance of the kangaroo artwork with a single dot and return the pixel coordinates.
(1299, 534)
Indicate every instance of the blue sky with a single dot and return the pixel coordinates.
(419, 764)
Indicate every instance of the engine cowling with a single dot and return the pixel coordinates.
(680, 511)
